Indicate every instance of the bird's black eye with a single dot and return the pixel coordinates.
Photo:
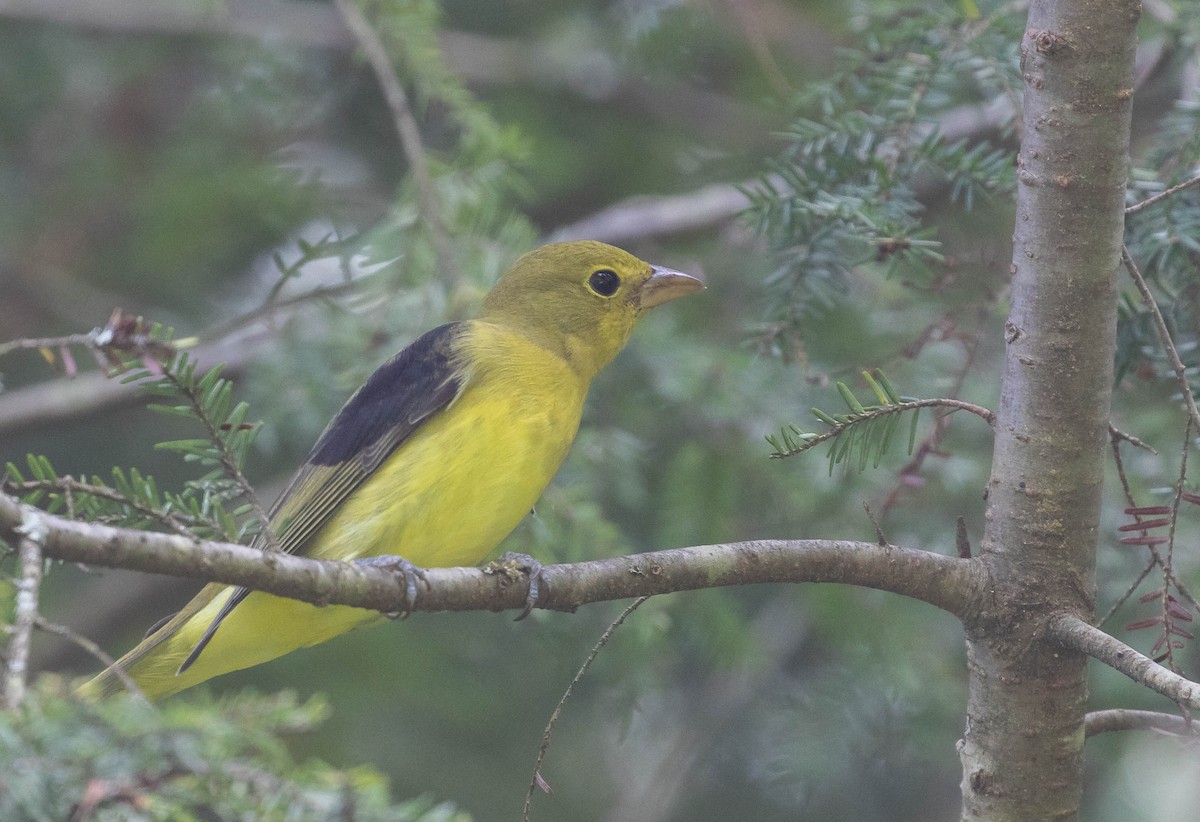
(604, 282)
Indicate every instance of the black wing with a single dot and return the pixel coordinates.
(420, 381)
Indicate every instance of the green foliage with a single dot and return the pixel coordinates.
(189, 760)
(131, 500)
(208, 399)
(134, 499)
(1164, 240)
(331, 246)
(176, 179)
(473, 166)
(866, 154)
(431, 257)
(863, 435)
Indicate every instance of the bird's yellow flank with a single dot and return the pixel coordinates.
(436, 458)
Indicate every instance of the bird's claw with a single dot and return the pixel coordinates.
(399, 565)
(512, 564)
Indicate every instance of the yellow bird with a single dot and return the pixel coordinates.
(436, 458)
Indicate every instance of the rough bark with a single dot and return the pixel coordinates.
(1022, 748)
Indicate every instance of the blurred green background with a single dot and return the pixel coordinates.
(163, 159)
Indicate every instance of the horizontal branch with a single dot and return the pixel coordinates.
(64, 399)
(1123, 719)
(1072, 632)
(640, 217)
(234, 344)
(943, 581)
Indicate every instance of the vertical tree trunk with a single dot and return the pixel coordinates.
(1022, 749)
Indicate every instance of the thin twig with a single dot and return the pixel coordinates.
(215, 334)
(68, 398)
(406, 125)
(1115, 439)
(1168, 619)
(123, 334)
(68, 486)
(92, 648)
(32, 534)
(1164, 336)
(1162, 195)
(881, 411)
(46, 342)
(1175, 581)
(1121, 600)
(1116, 434)
(879, 536)
(228, 460)
(587, 663)
(270, 307)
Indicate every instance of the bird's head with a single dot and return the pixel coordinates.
(582, 299)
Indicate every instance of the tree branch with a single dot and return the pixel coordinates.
(1162, 195)
(1121, 719)
(1073, 633)
(639, 217)
(407, 128)
(883, 411)
(235, 343)
(946, 582)
(75, 638)
(1164, 336)
(66, 398)
(30, 533)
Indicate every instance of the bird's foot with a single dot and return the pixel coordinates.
(398, 565)
(513, 565)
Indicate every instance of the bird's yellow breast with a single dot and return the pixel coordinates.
(465, 479)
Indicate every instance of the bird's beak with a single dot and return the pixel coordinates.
(665, 285)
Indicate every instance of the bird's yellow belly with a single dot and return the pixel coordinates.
(457, 488)
(446, 497)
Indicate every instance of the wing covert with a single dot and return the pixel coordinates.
(420, 381)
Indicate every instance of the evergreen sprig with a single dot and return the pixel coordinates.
(866, 433)
(132, 500)
(207, 398)
(221, 503)
(866, 154)
(1164, 239)
(862, 435)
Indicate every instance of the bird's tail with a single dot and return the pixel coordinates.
(152, 666)
(183, 651)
